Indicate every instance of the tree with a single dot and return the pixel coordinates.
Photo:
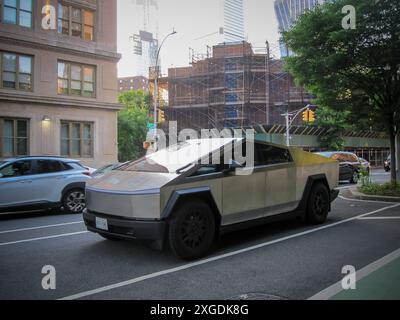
(132, 124)
(335, 123)
(355, 71)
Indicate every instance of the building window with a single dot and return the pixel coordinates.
(14, 137)
(76, 79)
(76, 22)
(17, 12)
(77, 139)
(16, 71)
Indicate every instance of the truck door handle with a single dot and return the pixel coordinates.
(26, 181)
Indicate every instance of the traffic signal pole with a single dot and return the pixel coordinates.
(290, 117)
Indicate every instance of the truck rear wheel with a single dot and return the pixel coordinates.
(318, 204)
(191, 230)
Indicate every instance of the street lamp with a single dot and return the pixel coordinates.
(156, 80)
(290, 117)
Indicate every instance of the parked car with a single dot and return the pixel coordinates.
(189, 204)
(387, 164)
(90, 170)
(42, 182)
(349, 165)
(365, 165)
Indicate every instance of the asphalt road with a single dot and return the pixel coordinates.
(288, 260)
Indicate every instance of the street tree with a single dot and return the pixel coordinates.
(350, 59)
(335, 123)
(132, 124)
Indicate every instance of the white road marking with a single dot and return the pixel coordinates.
(379, 218)
(216, 258)
(41, 227)
(360, 200)
(43, 238)
(337, 287)
(346, 187)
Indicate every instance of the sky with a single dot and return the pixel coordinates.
(192, 19)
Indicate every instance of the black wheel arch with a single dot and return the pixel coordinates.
(202, 194)
(311, 181)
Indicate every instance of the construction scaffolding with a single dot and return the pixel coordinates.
(231, 85)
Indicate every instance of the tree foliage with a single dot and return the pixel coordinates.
(335, 123)
(132, 124)
(355, 72)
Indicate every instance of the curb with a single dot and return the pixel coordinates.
(355, 194)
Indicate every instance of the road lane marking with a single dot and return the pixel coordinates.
(40, 227)
(216, 258)
(345, 187)
(361, 200)
(374, 266)
(379, 218)
(43, 238)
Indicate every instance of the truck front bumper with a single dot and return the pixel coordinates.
(125, 228)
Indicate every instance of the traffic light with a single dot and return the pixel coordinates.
(161, 116)
(311, 116)
(305, 115)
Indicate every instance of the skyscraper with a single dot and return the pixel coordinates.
(288, 11)
(233, 17)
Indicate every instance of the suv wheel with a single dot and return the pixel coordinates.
(191, 230)
(354, 177)
(318, 204)
(74, 201)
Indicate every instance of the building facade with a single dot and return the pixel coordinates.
(58, 79)
(287, 12)
(233, 87)
(145, 48)
(233, 18)
(133, 83)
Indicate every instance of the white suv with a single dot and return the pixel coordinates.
(42, 182)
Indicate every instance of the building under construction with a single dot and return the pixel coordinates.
(231, 85)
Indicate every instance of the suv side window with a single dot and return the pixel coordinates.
(354, 158)
(268, 155)
(17, 169)
(49, 166)
(339, 157)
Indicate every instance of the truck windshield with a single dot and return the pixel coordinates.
(143, 165)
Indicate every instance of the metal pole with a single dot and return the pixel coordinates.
(287, 115)
(156, 81)
(267, 98)
(287, 130)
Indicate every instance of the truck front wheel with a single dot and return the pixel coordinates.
(191, 230)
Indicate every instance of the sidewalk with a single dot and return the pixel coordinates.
(353, 193)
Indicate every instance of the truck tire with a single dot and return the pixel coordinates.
(73, 201)
(318, 204)
(191, 230)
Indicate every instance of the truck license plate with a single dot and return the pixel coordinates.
(101, 224)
